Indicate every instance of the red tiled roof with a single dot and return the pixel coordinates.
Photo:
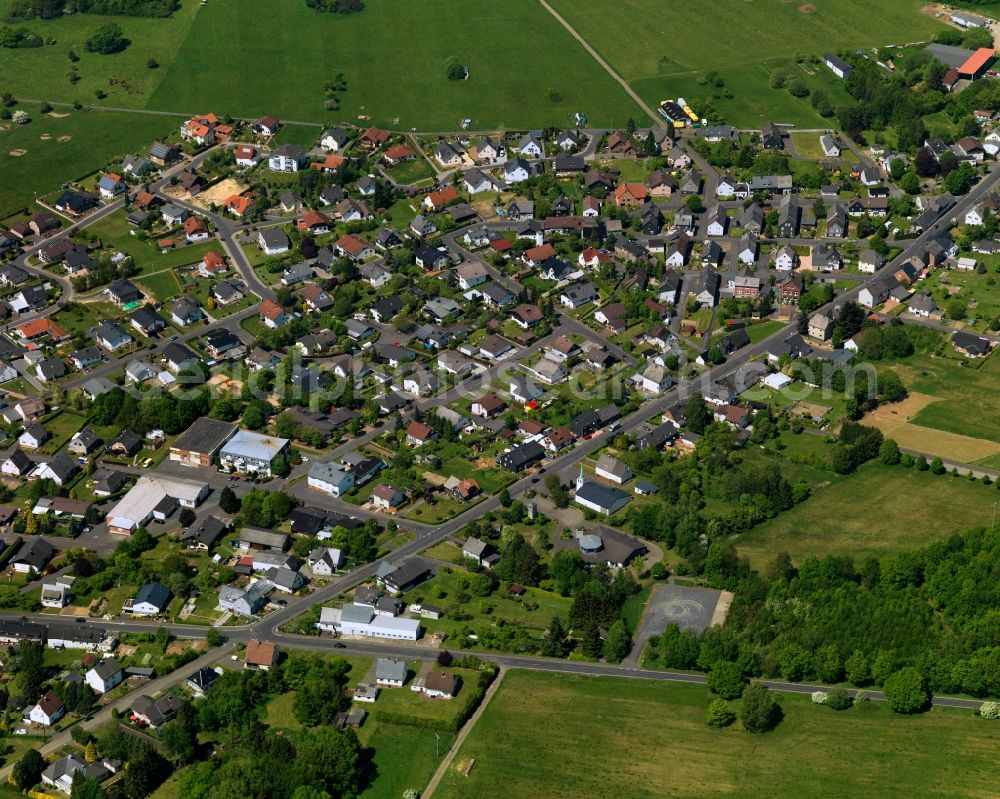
(270, 310)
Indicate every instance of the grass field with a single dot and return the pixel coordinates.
(537, 738)
(114, 231)
(163, 285)
(875, 512)
(51, 160)
(662, 49)
(965, 395)
(390, 74)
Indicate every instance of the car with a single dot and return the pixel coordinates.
(338, 645)
(534, 479)
(173, 337)
(20, 731)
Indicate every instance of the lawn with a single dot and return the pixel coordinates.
(411, 171)
(163, 285)
(115, 232)
(63, 149)
(536, 738)
(663, 49)
(409, 89)
(404, 757)
(534, 610)
(875, 512)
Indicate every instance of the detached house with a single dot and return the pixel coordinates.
(287, 158)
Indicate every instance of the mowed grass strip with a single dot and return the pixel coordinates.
(875, 512)
(60, 149)
(560, 736)
(525, 70)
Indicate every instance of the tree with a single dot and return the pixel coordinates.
(618, 644)
(888, 453)
(937, 467)
(28, 770)
(906, 691)
(694, 204)
(719, 714)
(554, 642)
(896, 168)
(726, 679)
(329, 759)
(186, 517)
(591, 644)
(956, 309)
(88, 788)
(228, 501)
(559, 495)
(797, 88)
(760, 711)
(454, 69)
(778, 78)
(910, 183)
(697, 415)
(925, 163)
(107, 39)
(214, 638)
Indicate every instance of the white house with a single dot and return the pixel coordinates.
(48, 710)
(830, 147)
(786, 259)
(331, 478)
(613, 469)
(653, 379)
(104, 676)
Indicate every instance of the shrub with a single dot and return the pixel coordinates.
(819, 697)
(838, 699)
(727, 679)
(990, 710)
(719, 714)
(906, 691)
(760, 711)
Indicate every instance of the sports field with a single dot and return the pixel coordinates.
(276, 56)
(559, 736)
(662, 47)
(56, 150)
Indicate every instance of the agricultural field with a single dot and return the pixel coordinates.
(677, 43)
(57, 149)
(878, 511)
(537, 738)
(958, 401)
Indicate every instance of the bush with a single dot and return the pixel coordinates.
(990, 710)
(719, 714)
(107, 39)
(760, 711)
(819, 697)
(906, 691)
(937, 467)
(727, 679)
(838, 699)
